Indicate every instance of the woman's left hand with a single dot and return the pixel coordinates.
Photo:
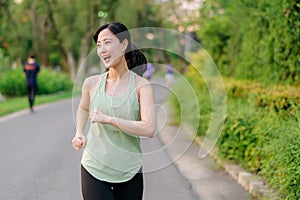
(98, 116)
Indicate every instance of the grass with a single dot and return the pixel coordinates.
(18, 103)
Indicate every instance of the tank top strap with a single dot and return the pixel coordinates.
(99, 85)
(102, 81)
(132, 81)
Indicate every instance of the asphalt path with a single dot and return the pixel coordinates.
(39, 163)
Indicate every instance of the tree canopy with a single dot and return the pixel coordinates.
(60, 32)
(253, 39)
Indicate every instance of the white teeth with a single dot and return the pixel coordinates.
(106, 57)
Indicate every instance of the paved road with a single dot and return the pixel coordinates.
(37, 159)
(39, 163)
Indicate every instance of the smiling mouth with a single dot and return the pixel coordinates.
(106, 58)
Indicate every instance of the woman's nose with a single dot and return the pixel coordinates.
(101, 49)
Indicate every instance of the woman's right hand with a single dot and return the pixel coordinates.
(79, 141)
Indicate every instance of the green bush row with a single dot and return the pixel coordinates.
(12, 82)
(281, 160)
(265, 143)
(285, 100)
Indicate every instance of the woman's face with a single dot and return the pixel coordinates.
(110, 49)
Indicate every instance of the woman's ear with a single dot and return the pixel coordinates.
(125, 44)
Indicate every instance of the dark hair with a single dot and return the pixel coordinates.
(135, 59)
(31, 56)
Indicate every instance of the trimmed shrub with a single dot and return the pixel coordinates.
(239, 143)
(281, 160)
(50, 82)
(12, 83)
(284, 100)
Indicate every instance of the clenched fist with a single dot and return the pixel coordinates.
(98, 116)
(79, 141)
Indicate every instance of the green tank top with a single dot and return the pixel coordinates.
(111, 154)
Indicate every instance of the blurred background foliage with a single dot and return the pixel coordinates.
(59, 32)
(254, 43)
(253, 39)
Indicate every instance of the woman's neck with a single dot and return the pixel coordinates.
(117, 73)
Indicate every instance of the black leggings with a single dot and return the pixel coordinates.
(94, 189)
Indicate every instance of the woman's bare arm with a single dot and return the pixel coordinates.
(82, 117)
(83, 109)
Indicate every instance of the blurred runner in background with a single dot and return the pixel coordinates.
(31, 68)
(149, 71)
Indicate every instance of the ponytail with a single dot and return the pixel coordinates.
(136, 60)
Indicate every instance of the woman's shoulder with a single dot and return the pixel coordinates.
(92, 80)
(140, 81)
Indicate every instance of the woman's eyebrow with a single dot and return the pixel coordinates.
(105, 39)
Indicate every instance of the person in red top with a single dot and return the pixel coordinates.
(31, 69)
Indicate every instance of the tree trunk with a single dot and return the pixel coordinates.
(84, 51)
(33, 19)
(44, 44)
(72, 64)
(85, 46)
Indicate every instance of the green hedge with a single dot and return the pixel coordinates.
(240, 143)
(264, 141)
(284, 100)
(281, 160)
(50, 82)
(261, 130)
(12, 82)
